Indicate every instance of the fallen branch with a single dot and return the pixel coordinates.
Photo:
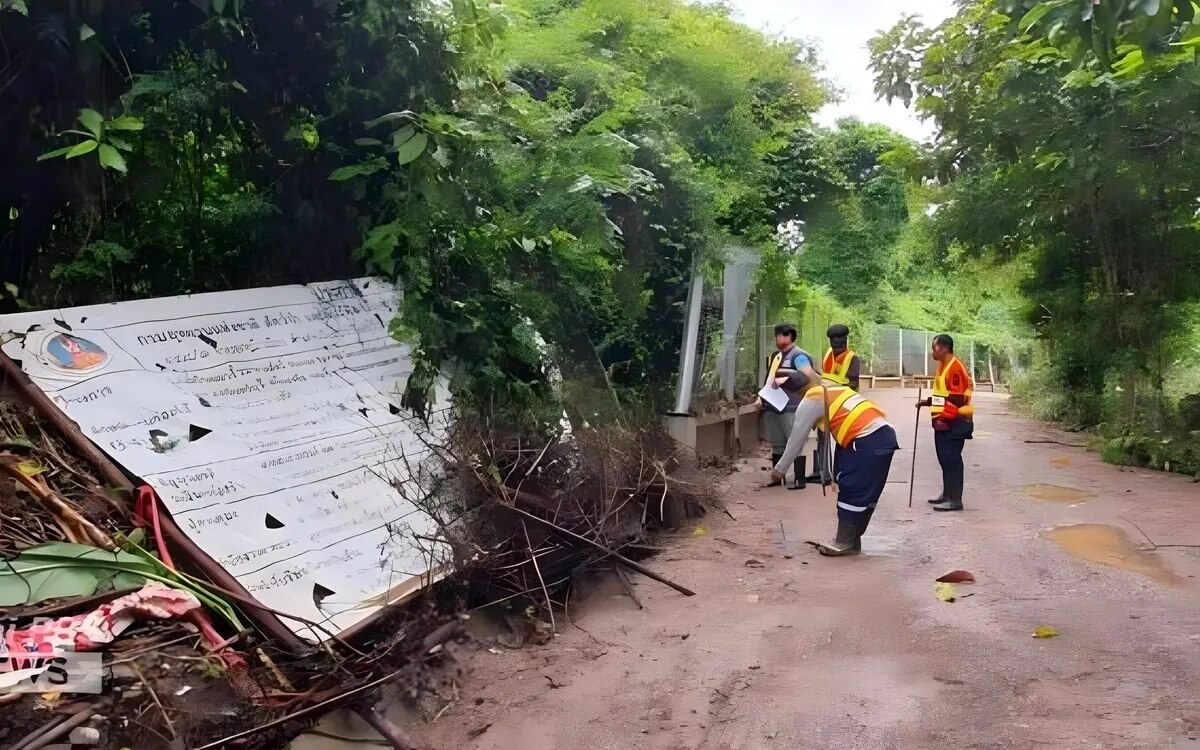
(52, 731)
(555, 528)
(542, 581)
(77, 528)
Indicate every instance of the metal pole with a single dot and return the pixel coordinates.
(925, 354)
(912, 473)
(760, 329)
(901, 356)
(687, 352)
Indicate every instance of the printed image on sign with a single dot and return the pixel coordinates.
(268, 422)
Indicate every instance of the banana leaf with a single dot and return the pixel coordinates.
(63, 570)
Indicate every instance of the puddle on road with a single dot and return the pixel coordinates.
(1108, 545)
(1061, 460)
(1054, 493)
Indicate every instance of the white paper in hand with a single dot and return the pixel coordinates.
(776, 397)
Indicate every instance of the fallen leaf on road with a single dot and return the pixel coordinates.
(701, 530)
(1045, 631)
(477, 732)
(957, 576)
(752, 563)
(945, 591)
(495, 651)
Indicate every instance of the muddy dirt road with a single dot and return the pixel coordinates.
(782, 648)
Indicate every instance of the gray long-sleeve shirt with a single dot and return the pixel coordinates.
(808, 413)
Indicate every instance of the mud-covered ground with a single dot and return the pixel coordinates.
(784, 649)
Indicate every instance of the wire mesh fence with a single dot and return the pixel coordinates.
(735, 341)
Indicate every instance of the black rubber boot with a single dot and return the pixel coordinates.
(938, 499)
(845, 543)
(816, 475)
(798, 482)
(774, 460)
(948, 505)
(953, 494)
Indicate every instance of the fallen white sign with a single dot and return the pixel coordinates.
(267, 420)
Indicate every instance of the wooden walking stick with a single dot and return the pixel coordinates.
(912, 474)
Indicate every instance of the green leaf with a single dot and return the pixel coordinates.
(1132, 62)
(86, 32)
(367, 142)
(92, 120)
(402, 136)
(390, 116)
(412, 148)
(125, 122)
(110, 158)
(218, 6)
(62, 569)
(1035, 14)
(238, 87)
(17, 5)
(361, 169)
(79, 149)
(120, 143)
(379, 245)
(55, 153)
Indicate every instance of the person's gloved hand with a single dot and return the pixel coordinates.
(925, 403)
(951, 411)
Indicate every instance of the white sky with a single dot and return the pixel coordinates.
(841, 29)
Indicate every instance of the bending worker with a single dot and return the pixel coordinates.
(842, 366)
(953, 420)
(864, 443)
(790, 369)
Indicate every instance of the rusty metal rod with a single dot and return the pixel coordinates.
(395, 736)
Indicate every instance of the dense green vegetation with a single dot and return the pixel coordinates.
(549, 166)
(552, 170)
(1067, 135)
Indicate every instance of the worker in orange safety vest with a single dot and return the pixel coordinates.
(864, 442)
(953, 420)
(842, 366)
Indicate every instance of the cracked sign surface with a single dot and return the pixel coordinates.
(267, 420)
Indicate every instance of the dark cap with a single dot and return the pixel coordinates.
(838, 331)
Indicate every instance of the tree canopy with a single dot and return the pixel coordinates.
(1081, 161)
(546, 168)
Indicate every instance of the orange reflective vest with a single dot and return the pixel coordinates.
(952, 379)
(837, 367)
(846, 413)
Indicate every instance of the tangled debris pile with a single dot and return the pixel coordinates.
(545, 509)
(183, 664)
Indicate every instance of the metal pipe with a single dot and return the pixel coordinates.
(687, 351)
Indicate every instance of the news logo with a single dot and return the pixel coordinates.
(29, 667)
